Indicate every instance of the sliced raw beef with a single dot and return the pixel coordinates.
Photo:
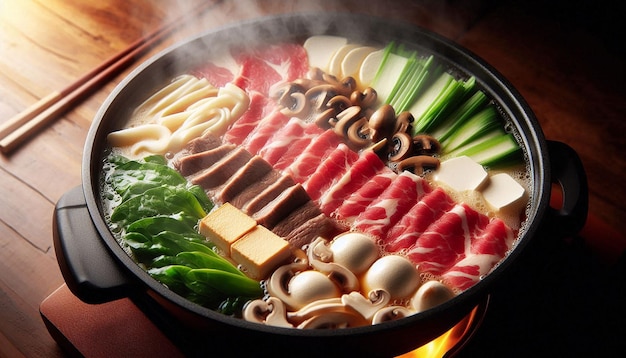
(261, 68)
(363, 197)
(330, 170)
(306, 163)
(425, 212)
(260, 106)
(368, 165)
(392, 204)
(289, 59)
(216, 75)
(282, 139)
(483, 253)
(262, 133)
(311, 132)
(444, 242)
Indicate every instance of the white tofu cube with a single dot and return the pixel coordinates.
(504, 194)
(461, 174)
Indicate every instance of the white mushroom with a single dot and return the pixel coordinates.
(319, 256)
(271, 312)
(366, 307)
(341, 319)
(391, 313)
(297, 289)
(354, 251)
(431, 294)
(328, 313)
(394, 274)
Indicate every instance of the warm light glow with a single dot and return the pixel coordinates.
(447, 341)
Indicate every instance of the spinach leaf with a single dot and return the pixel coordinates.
(210, 281)
(169, 201)
(156, 224)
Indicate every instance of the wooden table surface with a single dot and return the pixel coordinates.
(567, 62)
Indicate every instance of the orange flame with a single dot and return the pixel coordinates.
(451, 340)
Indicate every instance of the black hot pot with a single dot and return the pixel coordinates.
(97, 269)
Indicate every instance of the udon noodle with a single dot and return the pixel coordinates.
(185, 109)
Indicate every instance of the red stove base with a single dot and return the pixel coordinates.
(119, 328)
(112, 329)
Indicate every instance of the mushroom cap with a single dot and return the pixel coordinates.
(355, 251)
(394, 274)
(310, 286)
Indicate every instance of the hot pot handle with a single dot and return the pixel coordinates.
(87, 267)
(568, 172)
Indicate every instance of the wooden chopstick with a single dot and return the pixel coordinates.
(18, 129)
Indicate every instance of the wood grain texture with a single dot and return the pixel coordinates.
(568, 67)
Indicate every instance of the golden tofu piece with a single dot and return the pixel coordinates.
(225, 225)
(260, 251)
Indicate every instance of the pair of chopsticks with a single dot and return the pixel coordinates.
(26, 124)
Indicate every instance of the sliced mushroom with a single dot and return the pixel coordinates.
(316, 308)
(319, 96)
(331, 320)
(284, 90)
(401, 147)
(345, 119)
(404, 122)
(391, 313)
(296, 106)
(343, 87)
(339, 103)
(344, 277)
(426, 145)
(325, 118)
(358, 134)
(418, 163)
(271, 312)
(329, 313)
(367, 307)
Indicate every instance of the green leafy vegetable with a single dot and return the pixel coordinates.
(213, 287)
(157, 217)
(163, 200)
